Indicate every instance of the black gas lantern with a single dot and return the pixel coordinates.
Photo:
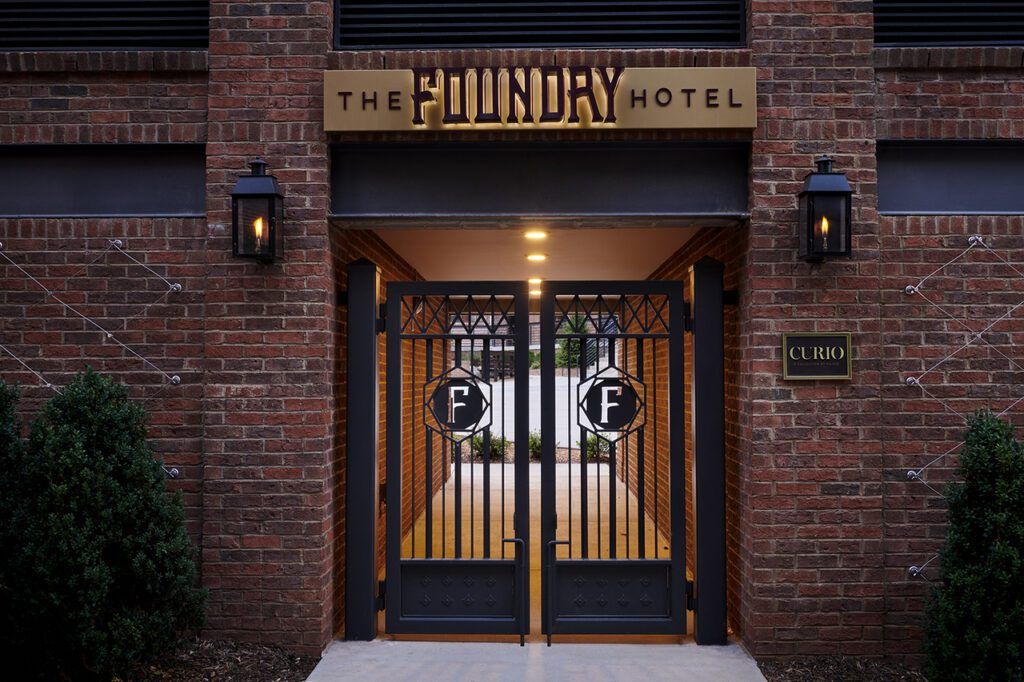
(257, 215)
(825, 210)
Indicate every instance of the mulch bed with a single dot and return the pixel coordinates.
(837, 669)
(202, 660)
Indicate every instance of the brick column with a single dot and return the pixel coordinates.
(813, 488)
(269, 335)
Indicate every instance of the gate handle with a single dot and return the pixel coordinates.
(551, 584)
(524, 609)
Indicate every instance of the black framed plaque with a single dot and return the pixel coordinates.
(816, 355)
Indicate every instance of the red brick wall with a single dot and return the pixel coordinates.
(81, 107)
(347, 246)
(727, 245)
(124, 299)
(921, 422)
(967, 93)
(269, 403)
(125, 98)
(813, 581)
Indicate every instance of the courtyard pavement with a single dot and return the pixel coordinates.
(391, 661)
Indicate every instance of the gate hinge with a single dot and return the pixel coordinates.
(691, 601)
(381, 591)
(382, 318)
(687, 317)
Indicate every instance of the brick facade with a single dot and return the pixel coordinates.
(727, 245)
(822, 521)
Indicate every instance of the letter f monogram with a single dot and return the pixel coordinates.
(452, 404)
(606, 404)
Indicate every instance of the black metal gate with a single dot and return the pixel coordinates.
(612, 419)
(457, 421)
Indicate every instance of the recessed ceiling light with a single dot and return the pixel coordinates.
(535, 280)
(536, 235)
(536, 257)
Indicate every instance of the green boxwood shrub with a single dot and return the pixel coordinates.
(11, 457)
(97, 573)
(535, 446)
(597, 448)
(975, 617)
(498, 450)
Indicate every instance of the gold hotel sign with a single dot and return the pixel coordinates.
(531, 98)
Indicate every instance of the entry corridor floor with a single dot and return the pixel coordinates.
(392, 661)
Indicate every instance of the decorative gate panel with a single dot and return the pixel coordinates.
(457, 462)
(612, 486)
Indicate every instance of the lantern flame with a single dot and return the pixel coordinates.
(824, 233)
(257, 226)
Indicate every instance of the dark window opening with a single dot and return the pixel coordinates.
(115, 180)
(933, 177)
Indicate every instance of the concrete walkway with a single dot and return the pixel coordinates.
(390, 661)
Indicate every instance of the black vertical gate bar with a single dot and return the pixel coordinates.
(584, 456)
(457, 454)
(522, 452)
(412, 449)
(568, 431)
(657, 453)
(547, 435)
(677, 453)
(706, 277)
(472, 469)
(446, 457)
(486, 368)
(597, 444)
(641, 436)
(393, 459)
(428, 449)
(612, 453)
(361, 471)
(625, 451)
(504, 396)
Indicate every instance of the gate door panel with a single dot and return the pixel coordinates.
(457, 421)
(612, 484)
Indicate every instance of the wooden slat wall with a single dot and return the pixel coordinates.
(948, 22)
(104, 24)
(412, 24)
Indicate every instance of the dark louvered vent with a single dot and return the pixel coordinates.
(948, 22)
(104, 24)
(414, 24)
